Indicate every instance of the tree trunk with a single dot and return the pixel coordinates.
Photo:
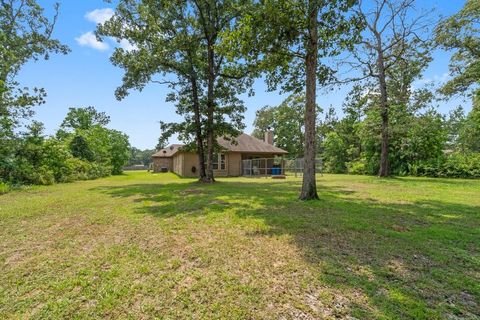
(210, 111)
(309, 185)
(198, 131)
(383, 172)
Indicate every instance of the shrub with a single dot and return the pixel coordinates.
(334, 153)
(4, 188)
(455, 165)
(356, 167)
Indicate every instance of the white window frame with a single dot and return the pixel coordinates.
(220, 162)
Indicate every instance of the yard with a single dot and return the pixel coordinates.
(142, 245)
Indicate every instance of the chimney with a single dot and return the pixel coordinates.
(269, 136)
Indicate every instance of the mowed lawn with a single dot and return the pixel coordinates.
(145, 245)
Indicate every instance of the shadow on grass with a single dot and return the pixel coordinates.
(412, 259)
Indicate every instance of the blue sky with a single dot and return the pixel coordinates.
(85, 77)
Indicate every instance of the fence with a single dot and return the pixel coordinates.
(136, 167)
(295, 166)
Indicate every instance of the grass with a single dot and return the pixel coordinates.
(156, 246)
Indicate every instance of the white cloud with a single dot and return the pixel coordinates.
(125, 44)
(436, 79)
(89, 40)
(99, 16)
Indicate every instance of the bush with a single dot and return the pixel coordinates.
(334, 153)
(357, 167)
(24, 173)
(455, 165)
(4, 188)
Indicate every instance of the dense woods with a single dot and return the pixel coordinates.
(388, 119)
(423, 142)
(82, 148)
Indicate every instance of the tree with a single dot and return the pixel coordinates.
(138, 156)
(461, 32)
(80, 149)
(335, 153)
(469, 135)
(84, 119)
(84, 131)
(119, 150)
(264, 121)
(286, 122)
(390, 31)
(165, 29)
(177, 40)
(25, 34)
(288, 40)
(453, 125)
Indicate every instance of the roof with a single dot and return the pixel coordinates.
(167, 152)
(243, 143)
(247, 143)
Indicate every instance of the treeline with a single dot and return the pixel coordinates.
(83, 148)
(423, 142)
(391, 125)
(140, 157)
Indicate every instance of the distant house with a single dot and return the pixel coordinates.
(226, 163)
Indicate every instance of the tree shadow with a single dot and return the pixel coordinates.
(415, 259)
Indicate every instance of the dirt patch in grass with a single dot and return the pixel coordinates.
(191, 191)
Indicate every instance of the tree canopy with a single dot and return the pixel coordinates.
(289, 41)
(176, 44)
(461, 33)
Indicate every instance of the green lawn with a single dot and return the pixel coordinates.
(143, 246)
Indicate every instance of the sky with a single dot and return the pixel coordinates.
(86, 77)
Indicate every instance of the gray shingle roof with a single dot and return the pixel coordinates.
(167, 152)
(243, 143)
(246, 143)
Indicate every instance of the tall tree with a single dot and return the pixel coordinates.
(469, 134)
(84, 131)
(289, 40)
(84, 118)
(177, 41)
(391, 29)
(286, 122)
(461, 32)
(166, 45)
(224, 78)
(25, 34)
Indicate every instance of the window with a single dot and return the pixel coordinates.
(218, 162)
(222, 162)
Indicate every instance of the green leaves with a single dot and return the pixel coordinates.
(273, 36)
(25, 34)
(461, 33)
(287, 123)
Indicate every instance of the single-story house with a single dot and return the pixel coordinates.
(228, 162)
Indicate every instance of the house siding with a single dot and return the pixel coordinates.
(234, 164)
(178, 164)
(182, 163)
(190, 160)
(159, 163)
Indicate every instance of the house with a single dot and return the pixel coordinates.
(227, 163)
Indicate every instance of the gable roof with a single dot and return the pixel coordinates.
(243, 143)
(247, 143)
(167, 152)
